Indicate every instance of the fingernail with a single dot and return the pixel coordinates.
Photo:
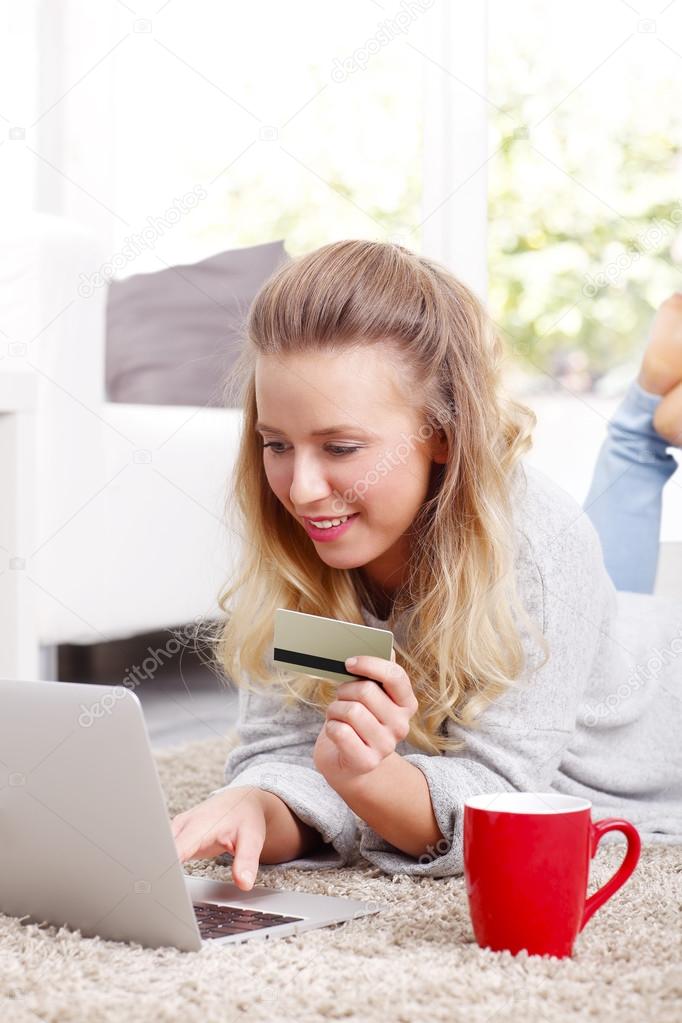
(247, 876)
(350, 661)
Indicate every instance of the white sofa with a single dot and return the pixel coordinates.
(127, 522)
(127, 513)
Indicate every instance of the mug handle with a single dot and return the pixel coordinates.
(597, 830)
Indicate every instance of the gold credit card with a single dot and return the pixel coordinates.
(319, 646)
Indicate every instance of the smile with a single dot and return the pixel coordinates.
(329, 529)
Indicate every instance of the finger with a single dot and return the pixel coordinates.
(177, 824)
(198, 843)
(368, 692)
(249, 845)
(395, 679)
(205, 834)
(352, 750)
(365, 725)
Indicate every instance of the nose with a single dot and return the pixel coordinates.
(308, 484)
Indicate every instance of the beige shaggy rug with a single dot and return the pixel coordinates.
(417, 961)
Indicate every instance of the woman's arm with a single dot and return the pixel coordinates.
(287, 836)
(274, 755)
(519, 741)
(394, 800)
(240, 822)
(357, 752)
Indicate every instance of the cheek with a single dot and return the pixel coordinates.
(377, 480)
(366, 483)
(401, 481)
(400, 493)
(348, 480)
(273, 475)
(279, 479)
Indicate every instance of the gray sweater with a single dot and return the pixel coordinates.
(601, 720)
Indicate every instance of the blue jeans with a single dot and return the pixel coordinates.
(624, 499)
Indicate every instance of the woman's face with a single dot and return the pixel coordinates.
(374, 465)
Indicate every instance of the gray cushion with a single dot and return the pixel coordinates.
(172, 336)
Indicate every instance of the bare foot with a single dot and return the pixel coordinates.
(661, 366)
(661, 369)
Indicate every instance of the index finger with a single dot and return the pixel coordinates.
(248, 847)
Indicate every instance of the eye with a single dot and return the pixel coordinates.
(335, 449)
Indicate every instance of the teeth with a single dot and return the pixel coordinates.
(327, 523)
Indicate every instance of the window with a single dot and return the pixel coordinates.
(298, 121)
(584, 186)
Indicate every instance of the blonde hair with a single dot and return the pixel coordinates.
(462, 646)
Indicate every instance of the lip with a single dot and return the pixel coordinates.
(332, 532)
(326, 518)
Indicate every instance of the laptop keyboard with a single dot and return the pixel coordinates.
(217, 921)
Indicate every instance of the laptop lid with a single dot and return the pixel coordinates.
(85, 833)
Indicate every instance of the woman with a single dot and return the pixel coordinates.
(371, 392)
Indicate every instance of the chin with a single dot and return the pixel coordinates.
(341, 562)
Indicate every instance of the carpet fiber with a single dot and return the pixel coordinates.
(417, 961)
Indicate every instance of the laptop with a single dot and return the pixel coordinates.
(86, 840)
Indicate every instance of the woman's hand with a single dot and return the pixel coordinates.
(233, 821)
(365, 722)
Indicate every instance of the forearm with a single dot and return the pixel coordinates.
(287, 837)
(394, 799)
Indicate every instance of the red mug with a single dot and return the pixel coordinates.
(526, 867)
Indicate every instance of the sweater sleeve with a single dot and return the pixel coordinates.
(521, 736)
(276, 754)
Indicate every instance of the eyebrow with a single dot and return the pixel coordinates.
(341, 428)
